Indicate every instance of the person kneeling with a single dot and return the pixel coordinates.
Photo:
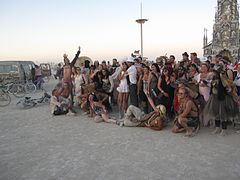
(187, 118)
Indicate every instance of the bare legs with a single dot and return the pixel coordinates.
(183, 122)
(122, 103)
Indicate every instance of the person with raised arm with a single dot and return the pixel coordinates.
(135, 117)
(67, 71)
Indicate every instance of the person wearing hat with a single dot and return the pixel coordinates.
(135, 117)
(132, 81)
(185, 56)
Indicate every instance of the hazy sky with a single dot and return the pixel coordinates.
(43, 30)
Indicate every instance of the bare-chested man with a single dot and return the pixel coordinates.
(67, 71)
(187, 118)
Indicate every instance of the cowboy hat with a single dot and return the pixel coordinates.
(162, 109)
(130, 59)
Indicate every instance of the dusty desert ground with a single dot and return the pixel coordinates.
(36, 146)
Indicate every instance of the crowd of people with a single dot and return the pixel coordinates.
(186, 94)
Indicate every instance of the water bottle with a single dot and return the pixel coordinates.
(154, 93)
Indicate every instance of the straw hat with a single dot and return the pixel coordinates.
(162, 109)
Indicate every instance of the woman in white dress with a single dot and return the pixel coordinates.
(204, 81)
(123, 90)
(79, 80)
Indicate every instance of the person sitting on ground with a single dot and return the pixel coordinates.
(63, 93)
(187, 118)
(98, 109)
(135, 117)
(57, 107)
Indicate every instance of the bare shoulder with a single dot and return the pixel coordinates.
(190, 103)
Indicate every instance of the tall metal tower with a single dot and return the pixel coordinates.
(141, 21)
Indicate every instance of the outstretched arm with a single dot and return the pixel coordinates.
(76, 57)
(150, 100)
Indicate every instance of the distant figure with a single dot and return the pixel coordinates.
(38, 77)
(59, 72)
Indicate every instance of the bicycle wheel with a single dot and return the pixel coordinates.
(30, 87)
(5, 99)
(18, 90)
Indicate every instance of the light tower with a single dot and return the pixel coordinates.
(141, 21)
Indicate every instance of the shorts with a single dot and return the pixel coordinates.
(191, 122)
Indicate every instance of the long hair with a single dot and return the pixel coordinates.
(221, 90)
(156, 66)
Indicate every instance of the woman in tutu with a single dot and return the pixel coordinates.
(123, 91)
(221, 106)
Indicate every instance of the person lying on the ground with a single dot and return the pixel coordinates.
(187, 118)
(135, 117)
(99, 110)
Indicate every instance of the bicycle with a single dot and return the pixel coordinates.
(29, 86)
(29, 102)
(5, 99)
(16, 89)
